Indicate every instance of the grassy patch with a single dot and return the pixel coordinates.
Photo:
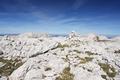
(90, 53)
(77, 51)
(9, 67)
(110, 71)
(62, 45)
(97, 38)
(66, 75)
(85, 60)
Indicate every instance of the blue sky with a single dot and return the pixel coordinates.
(60, 16)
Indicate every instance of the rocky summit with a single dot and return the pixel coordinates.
(38, 56)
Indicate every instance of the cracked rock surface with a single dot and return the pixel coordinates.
(35, 56)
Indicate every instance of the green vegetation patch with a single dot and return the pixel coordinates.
(62, 45)
(90, 53)
(9, 67)
(110, 71)
(66, 75)
(77, 51)
(85, 60)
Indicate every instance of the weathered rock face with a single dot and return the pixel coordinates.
(93, 37)
(73, 35)
(72, 58)
(25, 47)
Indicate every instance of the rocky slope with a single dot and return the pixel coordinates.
(33, 56)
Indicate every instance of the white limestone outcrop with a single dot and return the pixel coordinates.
(74, 57)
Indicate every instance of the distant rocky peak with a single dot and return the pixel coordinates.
(93, 37)
(73, 34)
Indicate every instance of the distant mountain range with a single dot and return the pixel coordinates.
(8, 34)
(60, 35)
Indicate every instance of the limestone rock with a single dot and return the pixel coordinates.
(90, 57)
